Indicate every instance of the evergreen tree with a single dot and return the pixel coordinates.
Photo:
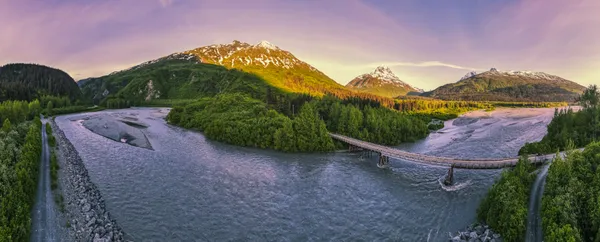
(285, 139)
(50, 107)
(6, 125)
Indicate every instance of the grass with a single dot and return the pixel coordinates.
(54, 167)
(53, 171)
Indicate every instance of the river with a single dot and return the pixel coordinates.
(189, 188)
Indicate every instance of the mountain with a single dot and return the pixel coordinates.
(30, 81)
(277, 67)
(383, 82)
(495, 85)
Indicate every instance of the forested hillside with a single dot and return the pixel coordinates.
(31, 81)
(276, 67)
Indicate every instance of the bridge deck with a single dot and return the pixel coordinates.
(483, 163)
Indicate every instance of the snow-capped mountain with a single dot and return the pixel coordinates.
(468, 75)
(382, 81)
(496, 85)
(527, 74)
(276, 66)
(238, 54)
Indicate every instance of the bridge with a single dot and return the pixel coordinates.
(386, 152)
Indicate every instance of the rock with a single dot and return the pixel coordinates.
(456, 239)
(479, 230)
(100, 231)
(473, 235)
(496, 236)
(91, 223)
(86, 208)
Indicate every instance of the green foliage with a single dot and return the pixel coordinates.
(30, 81)
(570, 204)
(581, 127)
(490, 86)
(435, 125)
(47, 101)
(374, 124)
(53, 169)
(51, 139)
(49, 108)
(505, 206)
(310, 131)
(6, 126)
(20, 151)
(241, 120)
(16, 111)
(117, 103)
(173, 79)
(75, 109)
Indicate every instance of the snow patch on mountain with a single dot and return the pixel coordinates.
(469, 75)
(527, 74)
(385, 76)
(265, 44)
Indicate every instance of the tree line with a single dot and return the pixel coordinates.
(241, 120)
(20, 150)
(505, 206)
(581, 128)
(571, 200)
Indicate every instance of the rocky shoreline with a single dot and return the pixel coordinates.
(85, 212)
(476, 232)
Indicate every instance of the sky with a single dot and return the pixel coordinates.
(426, 43)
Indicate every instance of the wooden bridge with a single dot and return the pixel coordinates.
(386, 152)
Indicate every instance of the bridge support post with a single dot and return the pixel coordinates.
(450, 176)
(384, 161)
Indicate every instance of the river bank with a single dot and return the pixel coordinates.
(476, 232)
(85, 212)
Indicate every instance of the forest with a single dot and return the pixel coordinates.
(241, 120)
(31, 81)
(580, 127)
(505, 206)
(571, 200)
(20, 150)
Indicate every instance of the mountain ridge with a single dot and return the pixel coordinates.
(495, 85)
(382, 81)
(277, 66)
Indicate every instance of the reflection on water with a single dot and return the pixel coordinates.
(192, 189)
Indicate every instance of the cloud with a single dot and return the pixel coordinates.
(424, 64)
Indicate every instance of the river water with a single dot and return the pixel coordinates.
(189, 188)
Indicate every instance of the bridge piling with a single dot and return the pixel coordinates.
(384, 161)
(449, 177)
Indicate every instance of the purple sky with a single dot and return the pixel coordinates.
(426, 43)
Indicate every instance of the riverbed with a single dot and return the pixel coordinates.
(189, 188)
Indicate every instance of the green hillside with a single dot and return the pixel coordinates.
(31, 81)
(211, 70)
(494, 85)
